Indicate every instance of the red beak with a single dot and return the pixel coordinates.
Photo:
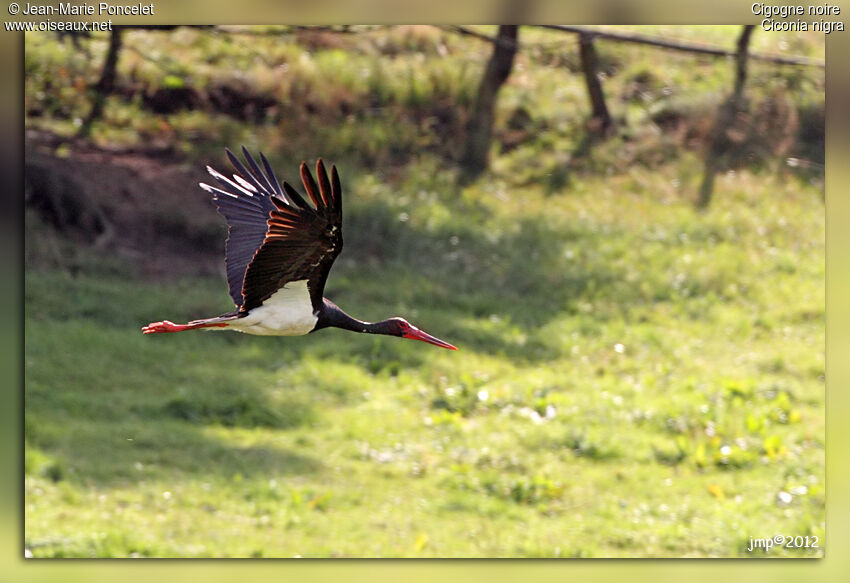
(417, 334)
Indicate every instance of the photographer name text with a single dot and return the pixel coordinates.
(99, 9)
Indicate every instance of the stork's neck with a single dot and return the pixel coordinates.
(332, 316)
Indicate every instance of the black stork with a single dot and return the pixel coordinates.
(279, 251)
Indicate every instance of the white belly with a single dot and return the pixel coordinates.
(288, 312)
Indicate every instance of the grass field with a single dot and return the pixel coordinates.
(633, 378)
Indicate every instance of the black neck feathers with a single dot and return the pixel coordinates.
(332, 316)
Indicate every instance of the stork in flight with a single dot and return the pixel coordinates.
(279, 251)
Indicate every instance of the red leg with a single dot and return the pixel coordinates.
(166, 326)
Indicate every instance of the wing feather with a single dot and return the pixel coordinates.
(270, 173)
(310, 185)
(300, 243)
(257, 171)
(274, 235)
(240, 168)
(245, 203)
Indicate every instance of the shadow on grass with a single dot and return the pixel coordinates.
(104, 400)
(462, 276)
(103, 453)
(110, 405)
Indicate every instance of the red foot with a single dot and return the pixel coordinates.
(166, 326)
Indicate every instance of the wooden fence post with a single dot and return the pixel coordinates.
(479, 129)
(726, 116)
(741, 61)
(106, 83)
(600, 118)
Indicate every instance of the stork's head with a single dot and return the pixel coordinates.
(404, 329)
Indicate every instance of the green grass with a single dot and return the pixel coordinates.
(634, 378)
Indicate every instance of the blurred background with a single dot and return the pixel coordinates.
(625, 240)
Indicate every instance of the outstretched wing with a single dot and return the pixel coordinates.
(275, 236)
(245, 202)
(301, 242)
